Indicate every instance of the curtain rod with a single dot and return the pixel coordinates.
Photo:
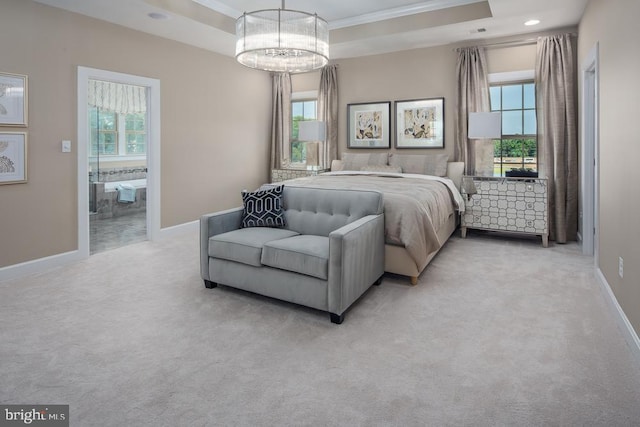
(511, 43)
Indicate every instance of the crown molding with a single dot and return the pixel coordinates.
(397, 12)
(220, 7)
(367, 18)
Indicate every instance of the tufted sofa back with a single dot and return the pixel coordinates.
(319, 211)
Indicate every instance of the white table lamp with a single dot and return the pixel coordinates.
(485, 125)
(312, 131)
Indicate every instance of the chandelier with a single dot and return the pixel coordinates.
(282, 40)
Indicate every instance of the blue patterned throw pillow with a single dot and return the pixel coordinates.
(263, 208)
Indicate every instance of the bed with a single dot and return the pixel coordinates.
(421, 211)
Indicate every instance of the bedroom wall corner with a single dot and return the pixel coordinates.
(612, 25)
(215, 118)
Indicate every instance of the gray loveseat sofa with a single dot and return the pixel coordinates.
(330, 251)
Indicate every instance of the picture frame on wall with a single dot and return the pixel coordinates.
(368, 125)
(13, 100)
(419, 123)
(13, 157)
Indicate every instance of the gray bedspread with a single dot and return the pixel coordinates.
(415, 208)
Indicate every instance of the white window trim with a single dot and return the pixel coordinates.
(512, 76)
(122, 144)
(122, 140)
(515, 76)
(309, 94)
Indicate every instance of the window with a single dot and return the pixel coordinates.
(104, 132)
(135, 133)
(518, 147)
(301, 109)
(107, 139)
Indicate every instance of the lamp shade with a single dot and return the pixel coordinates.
(485, 125)
(311, 130)
(282, 40)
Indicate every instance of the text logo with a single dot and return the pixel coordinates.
(34, 415)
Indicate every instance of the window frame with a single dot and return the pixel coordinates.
(124, 145)
(509, 79)
(120, 131)
(101, 132)
(298, 97)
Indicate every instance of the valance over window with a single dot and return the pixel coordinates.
(117, 97)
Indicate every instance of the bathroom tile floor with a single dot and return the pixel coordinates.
(112, 233)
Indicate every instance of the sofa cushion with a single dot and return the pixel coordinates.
(305, 254)
(245, 244)
(263, 208)
(319, 211)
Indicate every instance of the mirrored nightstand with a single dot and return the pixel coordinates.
(518, 205)
(278, 175)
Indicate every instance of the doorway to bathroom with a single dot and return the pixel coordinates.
(117, 165)
(118, 159)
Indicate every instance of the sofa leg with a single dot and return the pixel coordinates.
(209, 284)
(378, 282)
(336, 318)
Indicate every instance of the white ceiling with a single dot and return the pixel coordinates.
(358, 27)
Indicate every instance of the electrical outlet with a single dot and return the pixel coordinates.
(620, 267)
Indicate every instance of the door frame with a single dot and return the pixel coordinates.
(153, 150)
(590, 144)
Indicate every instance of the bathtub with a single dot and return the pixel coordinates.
(137, 183)
(104, 199)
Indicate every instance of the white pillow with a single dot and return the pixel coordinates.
(425, 164)
(355, 161)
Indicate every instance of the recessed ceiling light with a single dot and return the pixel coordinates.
(157, 15)
(532, 22)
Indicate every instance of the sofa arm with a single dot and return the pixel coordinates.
(356, 260)
(212, 224)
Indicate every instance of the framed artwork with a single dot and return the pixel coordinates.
(420, 123)
(368, 125)
(13, 100)
(13, 157)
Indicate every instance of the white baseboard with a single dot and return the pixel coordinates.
(40, 265)
(176, 230)
(629, 333)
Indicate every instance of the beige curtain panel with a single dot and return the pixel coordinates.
(328, 113)
(281, 120)
(557, 137)
(117, 97)
(472, 95)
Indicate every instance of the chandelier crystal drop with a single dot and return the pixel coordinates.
(282, 40)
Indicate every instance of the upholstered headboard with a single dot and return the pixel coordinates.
(455, 171)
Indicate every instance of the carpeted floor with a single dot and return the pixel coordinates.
(499, 332)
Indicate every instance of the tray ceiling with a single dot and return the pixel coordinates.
(358, 27)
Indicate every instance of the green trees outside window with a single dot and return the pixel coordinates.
(516, 153)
